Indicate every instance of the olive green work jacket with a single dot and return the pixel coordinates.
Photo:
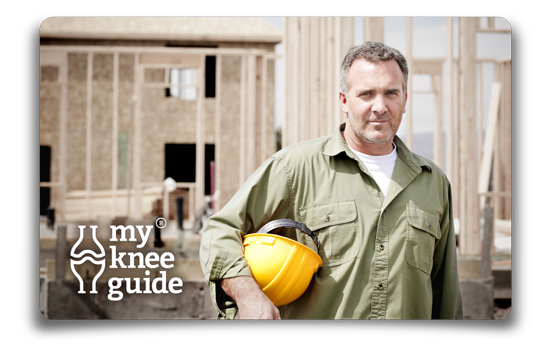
(383, 258)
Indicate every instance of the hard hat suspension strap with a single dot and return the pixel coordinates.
(290, 224)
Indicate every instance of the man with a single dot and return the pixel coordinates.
(382, 214)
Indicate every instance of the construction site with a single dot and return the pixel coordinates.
(149, 125)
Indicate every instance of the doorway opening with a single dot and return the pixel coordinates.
(45, 163)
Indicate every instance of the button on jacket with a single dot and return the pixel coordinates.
(390, 257)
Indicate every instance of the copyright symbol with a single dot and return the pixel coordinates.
(161, 223)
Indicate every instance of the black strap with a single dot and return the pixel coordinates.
(291, 224)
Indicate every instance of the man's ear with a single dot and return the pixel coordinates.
(344, 102)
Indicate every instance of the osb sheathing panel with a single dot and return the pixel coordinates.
(230, 128)
(76, 121)
(163, 120)
(102, 121)
(125, 92)
(270, 104)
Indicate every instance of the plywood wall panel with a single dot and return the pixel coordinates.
(76, 126)
(102, 119)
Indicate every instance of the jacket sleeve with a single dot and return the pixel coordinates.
(263, 197)
(447, 300)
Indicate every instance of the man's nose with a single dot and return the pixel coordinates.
(379, 104)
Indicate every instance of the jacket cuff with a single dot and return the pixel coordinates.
(224, 267)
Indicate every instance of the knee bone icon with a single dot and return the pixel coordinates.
(87, 255)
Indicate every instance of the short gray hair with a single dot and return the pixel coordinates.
(372, 52)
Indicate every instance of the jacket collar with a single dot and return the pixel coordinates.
(337, 145)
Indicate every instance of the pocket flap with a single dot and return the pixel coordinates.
(423, 220)
(321, 215)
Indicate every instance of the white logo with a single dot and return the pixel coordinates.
(135, 259)
(74, 256)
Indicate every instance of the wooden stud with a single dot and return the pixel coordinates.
(479, 118)
(242, 134)
(336, 67)
(250, 116)
(64, 74)
(136, 160)
(497, 159)
(456, 141)
(322, 102)
(199, 137)
(507, 119)
(373, 28)
(438, 128)
(410, 60)
(263, 111)
(218, 130)
(449, 130)
(331, 90)
(258, 104)
(296, 99)
(489, 141)
(88, 184)
(114, 147)
(304, 80)
(313, 125)
(469, 204)
(289, 85)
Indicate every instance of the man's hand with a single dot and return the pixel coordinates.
(251, 300)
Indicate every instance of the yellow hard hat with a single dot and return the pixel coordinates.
(282, 267)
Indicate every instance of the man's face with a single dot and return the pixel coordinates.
(375, 100)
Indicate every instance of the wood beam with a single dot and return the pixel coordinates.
(469, 203)
(64, 78)
(438, 127)
(199, 137)
(489, 142)
(449, 130)
(242, 132)
(408, 106)
(373, 29)
(114, 135)
(218, 130)
(136, 160)
(88, 184)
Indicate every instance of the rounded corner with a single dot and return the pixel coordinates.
(508, 22)
(43, 21)
(43, 315)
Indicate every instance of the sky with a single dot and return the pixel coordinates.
(429, 41)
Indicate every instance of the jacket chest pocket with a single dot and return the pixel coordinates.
(422, 232)
(335, 224)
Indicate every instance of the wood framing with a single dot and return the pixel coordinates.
(489, 142)
(218, 129)
(199, 138)
(114, 135)
(469, 243)
(438, 127)
(373, 29)
(409, 104)
(89, 133)
(136, 160)
(242, 122)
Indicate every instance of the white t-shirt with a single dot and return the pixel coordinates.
(380, 167)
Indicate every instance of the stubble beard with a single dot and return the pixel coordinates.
(363, 136)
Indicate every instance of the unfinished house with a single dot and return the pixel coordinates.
(126, 103)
